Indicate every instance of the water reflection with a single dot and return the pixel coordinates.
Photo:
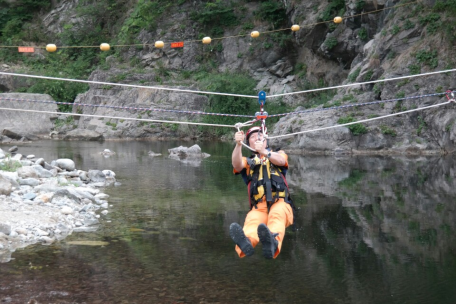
(370, 230)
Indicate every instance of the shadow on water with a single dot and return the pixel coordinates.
(370, 230)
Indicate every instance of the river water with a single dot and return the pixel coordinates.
(369, 230)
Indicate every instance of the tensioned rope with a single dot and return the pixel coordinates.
(127, 85)
(248, 123)
(225, 94)
(123, 108)
(221, 114)
(357, 104)
(233, 36)
(362, 83)
(361, 121)
(117, 117)
(240, 125)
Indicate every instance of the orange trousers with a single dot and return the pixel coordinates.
(280, 216)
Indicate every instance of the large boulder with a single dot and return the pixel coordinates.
(83, 134)
(21, 124)
(184, 153)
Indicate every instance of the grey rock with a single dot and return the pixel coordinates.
(152, 153)
(281, 69)
(11, 176)
(13, 149)
(97, 176)
(26, 163)
(90, 220)
(64, 197)
(83, 134)
(40, 162)
(47, 188)
(5, 186)
(29, 196)
(5, 229)
(27, 172)
(181, 152)
(43, 173)
(65, 164)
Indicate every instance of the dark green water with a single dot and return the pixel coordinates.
(370, 230)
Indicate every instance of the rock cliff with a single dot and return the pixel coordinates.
(377, 40)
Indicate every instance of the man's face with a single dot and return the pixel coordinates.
(255, 137)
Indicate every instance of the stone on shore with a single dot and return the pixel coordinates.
(83, 134)
(44, 205)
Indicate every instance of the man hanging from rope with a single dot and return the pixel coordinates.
(270, 204)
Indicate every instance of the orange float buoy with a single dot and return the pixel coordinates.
(159, 44)
(255, 34)
(337, 19)
(51, 48)
(105, 47)
(207, 40)
(295, 28)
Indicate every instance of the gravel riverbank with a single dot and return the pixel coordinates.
(43, 202)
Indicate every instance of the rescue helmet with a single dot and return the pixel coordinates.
(253, 130)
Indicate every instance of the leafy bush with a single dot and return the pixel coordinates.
(427, 57)
(215, 13)
(355, 129)
(9, 165)
(334, 8)
(414, 69)
(273, 12)
(362, 34)
(388, 131)
(14, 13)
(144, 16)
(330, 43)
(408, 25)
(352, 77)
(395, 29)
(421, 125)
(228, 83)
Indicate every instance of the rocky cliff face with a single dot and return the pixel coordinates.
(26, 125)
(396, 39)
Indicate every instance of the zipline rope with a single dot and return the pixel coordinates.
(123, 108)
(124, 118)
(356, 104)
(361, 121)
(225, 94)
(238, 125)
(227, 37)
(127, 85)
(361, 83)
(248, 123)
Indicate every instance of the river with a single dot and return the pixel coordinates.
(369, 230)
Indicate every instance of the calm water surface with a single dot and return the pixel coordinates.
(370, 230)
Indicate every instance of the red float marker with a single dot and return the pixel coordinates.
(26, 49)
(177, 44)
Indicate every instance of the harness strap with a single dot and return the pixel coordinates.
(267, 183)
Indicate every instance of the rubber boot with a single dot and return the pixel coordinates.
(238, 236)
(268, 241)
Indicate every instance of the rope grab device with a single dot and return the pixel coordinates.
(259, 116)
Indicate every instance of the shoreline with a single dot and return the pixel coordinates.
(408, 152)
(44, 202)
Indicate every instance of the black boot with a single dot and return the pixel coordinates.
(238, 236)
(268, 241)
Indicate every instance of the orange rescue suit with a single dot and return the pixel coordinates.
(270, 202)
